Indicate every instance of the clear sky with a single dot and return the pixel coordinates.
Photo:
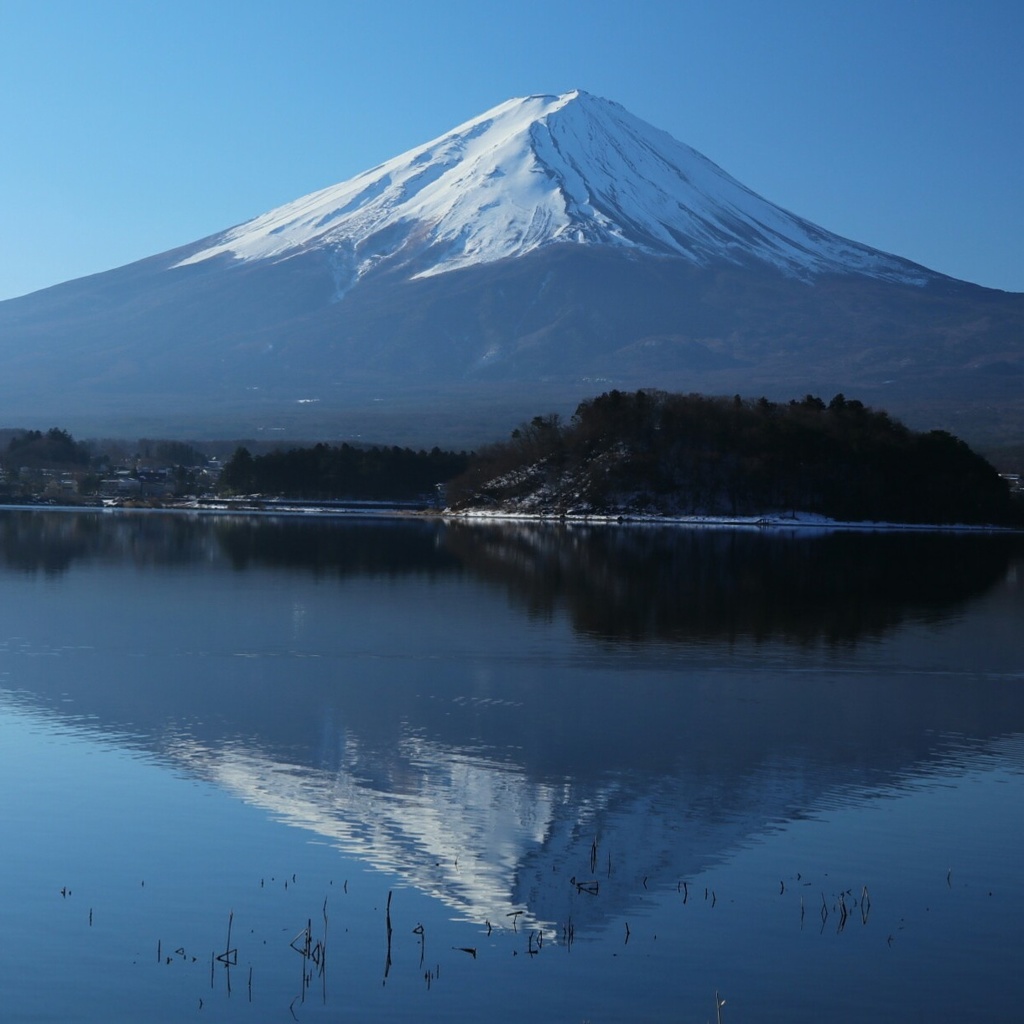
(127, 128)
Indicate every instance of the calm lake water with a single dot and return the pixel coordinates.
(326, 769)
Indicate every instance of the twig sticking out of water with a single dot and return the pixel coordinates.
(322, 964)
(306, 936)
(314, 953)
(387, 920)
(842, 912)
(515, 918)
(230, 956)
(418, 930)
(719, 1003)
(865, 905)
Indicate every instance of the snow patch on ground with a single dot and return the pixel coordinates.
(801, 521)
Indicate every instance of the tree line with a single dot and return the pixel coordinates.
(344, 471)
(646, 451)
(693, 454)
(55, 448)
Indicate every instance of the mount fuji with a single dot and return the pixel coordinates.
(549, 249)
(542, 171)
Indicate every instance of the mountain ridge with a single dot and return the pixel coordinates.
(548, 250)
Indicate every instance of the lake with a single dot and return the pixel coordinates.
(307, 768)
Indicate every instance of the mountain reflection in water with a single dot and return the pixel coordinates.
(674, 584)
(637, 583)
(367, 681)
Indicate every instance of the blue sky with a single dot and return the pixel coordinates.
(127, 128)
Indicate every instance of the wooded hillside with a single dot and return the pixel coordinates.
(654, 452)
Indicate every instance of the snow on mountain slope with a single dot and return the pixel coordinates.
(540, 171)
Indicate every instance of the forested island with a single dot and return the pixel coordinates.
(652, 453)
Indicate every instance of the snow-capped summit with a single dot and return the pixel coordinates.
(541, 171)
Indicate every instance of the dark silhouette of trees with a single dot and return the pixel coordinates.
(237, 476)
(692, 454)
(54, 449)
(171, 453)
(329, 472)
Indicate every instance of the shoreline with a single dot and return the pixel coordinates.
(777, 522)
(803, 522)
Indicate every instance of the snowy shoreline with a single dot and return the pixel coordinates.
(801, 522)
(776, 522)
